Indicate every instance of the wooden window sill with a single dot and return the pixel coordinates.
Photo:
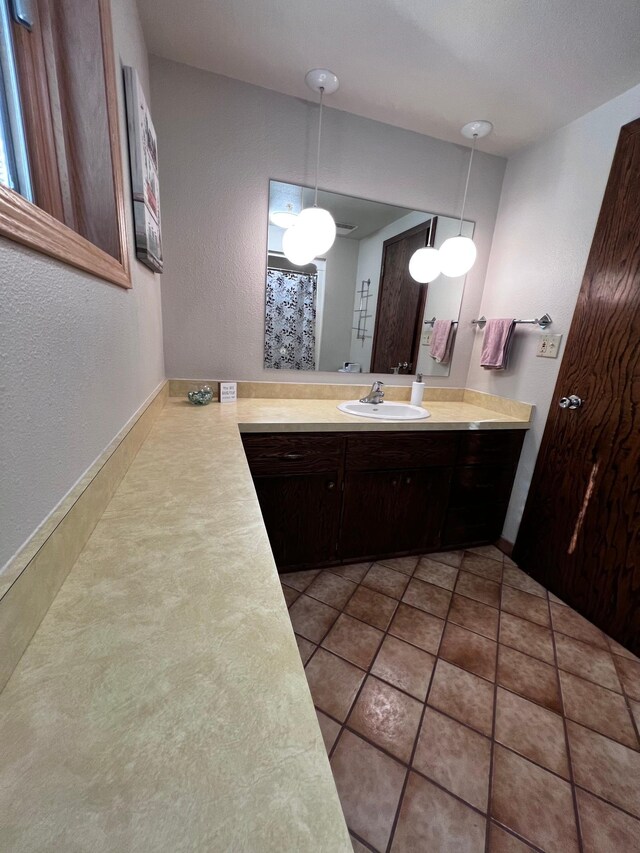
(24, 222)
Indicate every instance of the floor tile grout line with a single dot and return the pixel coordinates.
(584, 725)
(502, 686)
(514, 834)
(478, 633)
(636, 817)
(466, 725)
(628, 700)
(492, 741)
(409, 767)
(361, 840)
(566, 737)
(396, 819)
(330, 628)
(367, 672)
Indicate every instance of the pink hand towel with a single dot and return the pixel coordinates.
(441, 341)
(496, 343)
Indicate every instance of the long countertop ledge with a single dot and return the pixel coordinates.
(162, 704)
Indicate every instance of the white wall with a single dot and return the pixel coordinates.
(220, 142)
(78, 356)
(337, 314)
(550, 203)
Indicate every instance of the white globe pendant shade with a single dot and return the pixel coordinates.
(320, 228)
(457, 256)
(425, 265)
(296, 246)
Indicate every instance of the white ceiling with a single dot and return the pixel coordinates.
(530, 66)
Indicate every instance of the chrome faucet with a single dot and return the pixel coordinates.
(375, 395)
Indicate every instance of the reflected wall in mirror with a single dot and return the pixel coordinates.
(357, 309)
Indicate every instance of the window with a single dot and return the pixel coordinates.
(14, 162)
(60, 163)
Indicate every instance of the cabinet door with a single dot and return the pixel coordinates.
(393, 512)
(302, 517)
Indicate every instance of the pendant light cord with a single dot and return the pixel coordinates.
(315, 198)
(466, 186)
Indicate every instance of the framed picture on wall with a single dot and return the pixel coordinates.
(143, 157)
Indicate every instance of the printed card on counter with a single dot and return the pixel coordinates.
(228, 392)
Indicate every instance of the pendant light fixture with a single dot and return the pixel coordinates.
(425, 265)
(314, 231)
(458, 254)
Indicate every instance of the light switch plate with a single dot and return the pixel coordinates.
(228, 392)
(425, 340)
(549, 346)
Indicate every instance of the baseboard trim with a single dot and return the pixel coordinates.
(505, 546)
(32, 579)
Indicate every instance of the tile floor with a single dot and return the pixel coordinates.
(465, 709)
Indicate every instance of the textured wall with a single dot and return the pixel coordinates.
(220, 141)
(77, 356)
(550, 203)
(337, 316)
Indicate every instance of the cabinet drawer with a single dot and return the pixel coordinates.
(499, 447)
(479, 484)
(283, 453)
(382, 451)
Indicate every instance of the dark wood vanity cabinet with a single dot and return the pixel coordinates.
(386, 513)
(302, 516)
(481, 486)
(328, 498)
(298, 480)
(395, 492)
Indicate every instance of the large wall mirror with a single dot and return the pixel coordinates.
(357, 309)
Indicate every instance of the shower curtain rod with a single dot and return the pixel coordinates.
(284, 269)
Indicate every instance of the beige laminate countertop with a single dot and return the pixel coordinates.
(162, 704)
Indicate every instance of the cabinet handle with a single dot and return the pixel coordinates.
(293, 455)
(331, 484)
(394, 482)
(408, 481)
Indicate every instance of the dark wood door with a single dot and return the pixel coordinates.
(400, 301)
(392, 512)
(580, 533)
(302, 517)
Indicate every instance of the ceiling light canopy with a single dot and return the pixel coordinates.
(314, 231)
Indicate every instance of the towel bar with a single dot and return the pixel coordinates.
(433, 319)
(543, 322)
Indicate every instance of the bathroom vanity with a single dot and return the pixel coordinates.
(178, 579)
(333, 497)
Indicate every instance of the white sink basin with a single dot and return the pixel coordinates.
(387, 411)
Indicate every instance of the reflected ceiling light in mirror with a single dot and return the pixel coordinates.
(315, 227)
(425, 265)
(284, 218)
(458, 254)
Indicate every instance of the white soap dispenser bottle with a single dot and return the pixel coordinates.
(417, 390)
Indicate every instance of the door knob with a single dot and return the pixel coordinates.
(571, 402)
